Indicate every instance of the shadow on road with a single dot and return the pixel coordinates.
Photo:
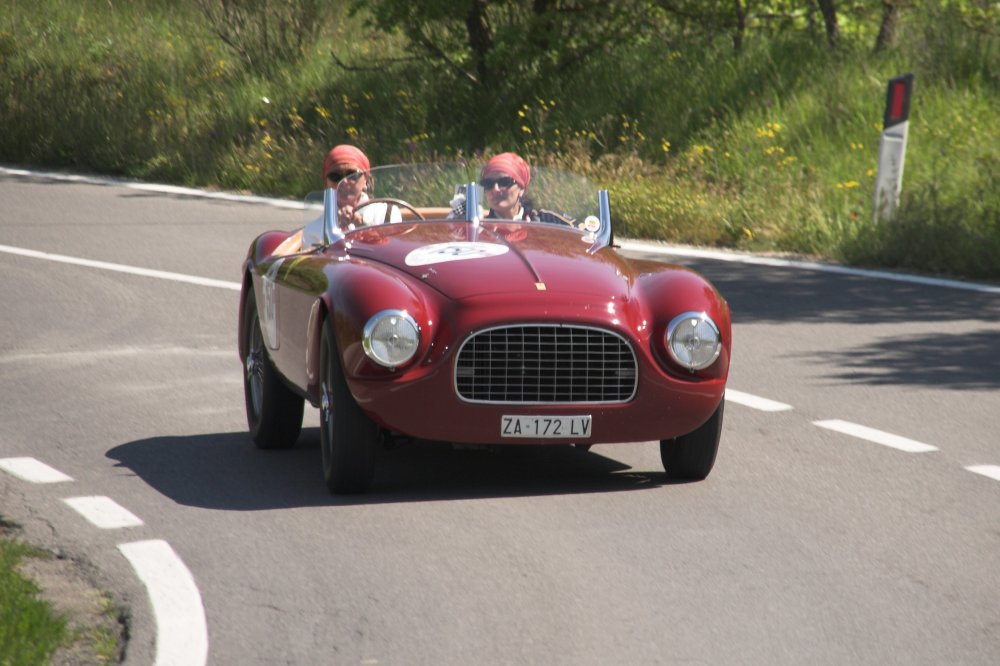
(958, 356)
(225, 471)
(966, 361)
(776, 294)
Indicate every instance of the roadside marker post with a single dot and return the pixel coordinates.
(892, 148)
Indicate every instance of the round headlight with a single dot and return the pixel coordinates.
(694, 340)
(391, 338)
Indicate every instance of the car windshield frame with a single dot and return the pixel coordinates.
(442, 191)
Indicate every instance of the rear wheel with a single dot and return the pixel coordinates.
(691, 457)
(274, 412)
(348, 438)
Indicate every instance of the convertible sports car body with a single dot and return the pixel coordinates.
(451, 326)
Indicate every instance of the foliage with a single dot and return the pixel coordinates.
(771, 147)
(265, 33)
(498, 54)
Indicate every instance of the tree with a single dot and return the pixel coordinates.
(828, 8)
(499, 46)
(712, 16)
(887, 28)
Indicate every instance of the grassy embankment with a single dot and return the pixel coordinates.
(50, 612)
(774, 149)
(29, 630)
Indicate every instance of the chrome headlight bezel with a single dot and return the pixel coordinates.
(379, 345)
(693, 340)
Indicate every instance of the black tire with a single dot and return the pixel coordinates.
(348, 438)
(691, 457)
(274, 412)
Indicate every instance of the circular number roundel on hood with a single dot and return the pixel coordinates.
(455, 251)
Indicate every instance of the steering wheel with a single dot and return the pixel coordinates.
(556, 218)
(388, 209)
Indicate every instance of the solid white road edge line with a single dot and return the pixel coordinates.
(151, 187)
(876, 436)
(808, 265)
(755, 402)
(32, 471)
(122, 268)
(103, 512)
(992, 471)
(182, 635)
(627, 244)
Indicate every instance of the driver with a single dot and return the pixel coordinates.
(347, 169)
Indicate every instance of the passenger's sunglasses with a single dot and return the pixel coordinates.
(504, 182)
(352, 175)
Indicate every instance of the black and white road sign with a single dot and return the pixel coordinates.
(892, 148)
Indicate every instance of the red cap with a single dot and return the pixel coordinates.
(348, 156)
(509, 164)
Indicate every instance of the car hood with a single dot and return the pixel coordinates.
(463, 262)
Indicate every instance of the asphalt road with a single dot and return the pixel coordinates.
(807, 544)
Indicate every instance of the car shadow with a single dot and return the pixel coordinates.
(225, 471)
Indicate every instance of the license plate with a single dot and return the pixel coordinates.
(545, 427)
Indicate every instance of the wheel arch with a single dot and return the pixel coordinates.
(319, 314)
(245, 288)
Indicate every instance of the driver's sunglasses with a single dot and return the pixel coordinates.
(352, 175)
(504, 182)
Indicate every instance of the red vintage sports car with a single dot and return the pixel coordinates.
(438, 323)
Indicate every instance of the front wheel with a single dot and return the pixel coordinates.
(348, 438)
(274, 412)
(691, 457)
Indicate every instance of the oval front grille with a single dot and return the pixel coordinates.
(546, 364)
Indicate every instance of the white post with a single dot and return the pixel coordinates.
(892, 148)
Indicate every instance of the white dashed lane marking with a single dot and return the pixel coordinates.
(992, 471)
(103, 512)
(876, 436)
(755, 402)
(32, 471)
(181, 632)
(181, 629)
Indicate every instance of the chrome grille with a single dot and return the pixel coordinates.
(545, 364)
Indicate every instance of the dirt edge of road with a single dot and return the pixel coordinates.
(97, 627)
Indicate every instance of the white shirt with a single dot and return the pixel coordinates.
(312, 233)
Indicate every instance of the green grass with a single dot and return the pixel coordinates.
(771, 149)
(29, 631)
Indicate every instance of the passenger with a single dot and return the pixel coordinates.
(505, 180)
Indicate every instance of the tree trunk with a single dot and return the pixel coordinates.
(741, 25)
(829, 10)
(480, 39)
(887, 29)
(540, 29)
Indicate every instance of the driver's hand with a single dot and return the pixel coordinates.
(347, 216)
